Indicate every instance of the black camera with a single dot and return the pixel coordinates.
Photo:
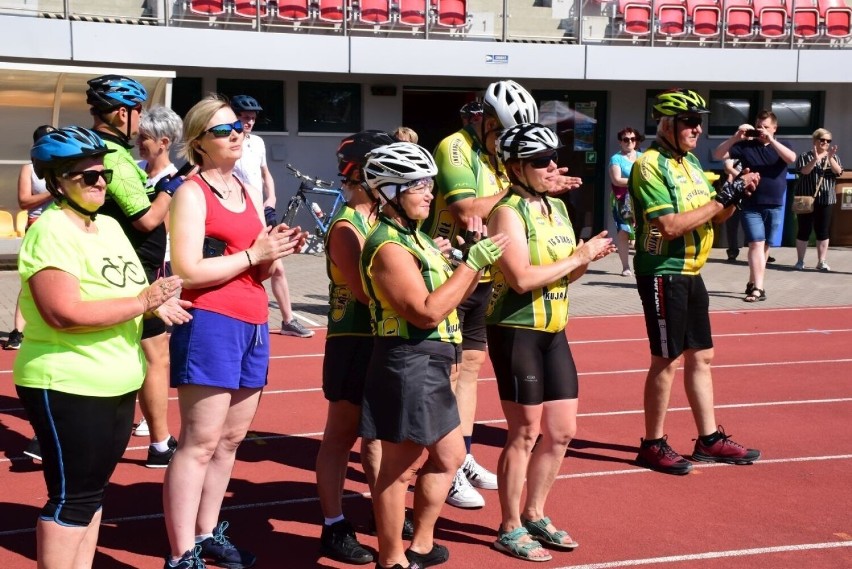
(753, 133)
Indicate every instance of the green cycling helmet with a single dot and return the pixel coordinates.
(677, 102)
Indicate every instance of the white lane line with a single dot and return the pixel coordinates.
(351, 495)
(711, 555)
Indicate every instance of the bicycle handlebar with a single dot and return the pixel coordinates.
(319, 183)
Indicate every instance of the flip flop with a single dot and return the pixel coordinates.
(538, 530)
(510, 542)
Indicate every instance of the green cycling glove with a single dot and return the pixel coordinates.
(484, 253)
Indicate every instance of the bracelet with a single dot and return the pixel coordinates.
(249, 258)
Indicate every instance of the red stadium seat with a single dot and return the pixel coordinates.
(451, 13)
(837, 18)
(412, 12)
(671, 17)
(333, 11)
(804, 18)
(294, 10)
(771, 18)
(705, 15)
(636, 16)
(374, 12)
(739, 18)
(249, 8)
(207, 7)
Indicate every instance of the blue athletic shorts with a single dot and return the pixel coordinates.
(763, 223)
(219, 351)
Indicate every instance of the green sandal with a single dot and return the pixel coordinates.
(510, 542)
(538, 530)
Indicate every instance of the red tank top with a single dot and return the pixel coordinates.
(243, 297)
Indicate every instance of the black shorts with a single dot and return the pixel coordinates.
(407, 395)
(472, 317)
(82, 439)
(152, 326)
(344, 368)
(677, 314)
(532, 366)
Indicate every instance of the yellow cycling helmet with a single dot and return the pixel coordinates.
(679, 101)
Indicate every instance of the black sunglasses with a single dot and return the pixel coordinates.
(628, 139)
(224, 130)
(90, 177)
(543, 161)
(825, 140)
(691, 121)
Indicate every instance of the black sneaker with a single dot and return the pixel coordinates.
(438, 555)
(189, 560)
(407, 526)
(219, 551)
(14, 341)
(33, 449)
(338, 542)
(157, 459)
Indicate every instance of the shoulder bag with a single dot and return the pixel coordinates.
(805, 204)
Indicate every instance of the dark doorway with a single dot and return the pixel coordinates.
(433, 114)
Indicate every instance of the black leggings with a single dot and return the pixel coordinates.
(82, 439)
(819, 221)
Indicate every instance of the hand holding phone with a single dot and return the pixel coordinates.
(753, 133)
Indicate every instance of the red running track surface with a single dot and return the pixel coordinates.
(783, 384)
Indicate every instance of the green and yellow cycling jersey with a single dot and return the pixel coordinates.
(549, 239)
(660, 185)
(346, 316)
(434, 268)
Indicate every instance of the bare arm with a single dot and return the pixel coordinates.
(464, 210)
(615, 176)
(26, 198)
(155, 215)
(344, 248)
(722, 152)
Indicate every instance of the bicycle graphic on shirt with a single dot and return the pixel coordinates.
(309, 189)
(122, 273)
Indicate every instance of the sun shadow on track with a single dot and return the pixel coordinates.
(577, 449)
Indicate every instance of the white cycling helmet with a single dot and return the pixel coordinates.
(526, 140)
(399, 163)
(511, 103)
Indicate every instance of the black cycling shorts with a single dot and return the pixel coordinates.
(152, 326)
(82, 439)
(472, 317)
(532, 366)
(677, 314)
(344, 368)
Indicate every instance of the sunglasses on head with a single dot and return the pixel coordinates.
(224, 130)
(90, 177)
(825, 140)
(543, 161)
(691, 121)
(628, 139)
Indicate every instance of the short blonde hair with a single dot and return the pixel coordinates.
(405, 134)
(821, 133)
(195, 125)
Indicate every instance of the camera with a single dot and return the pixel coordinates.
(753, 133)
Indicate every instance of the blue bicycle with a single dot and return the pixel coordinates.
(308, 188)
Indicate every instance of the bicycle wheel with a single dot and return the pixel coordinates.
(292, 210)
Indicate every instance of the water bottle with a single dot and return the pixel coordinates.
(317, 210)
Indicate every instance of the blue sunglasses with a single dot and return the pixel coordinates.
(224, 130)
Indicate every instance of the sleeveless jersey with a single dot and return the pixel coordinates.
(434, 268)
(549, 239)
(660, 185)
(346, 316)
(242, 297)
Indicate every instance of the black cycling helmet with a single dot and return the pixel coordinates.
(241, 103)
(471, 109)
(353, 150)
(60, 147)
(42, 130)
(109, 92)
(677, 102)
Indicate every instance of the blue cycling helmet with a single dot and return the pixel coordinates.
(62, 147)
(108, 92)
(240, 103)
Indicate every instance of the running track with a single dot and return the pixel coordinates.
(783, 384)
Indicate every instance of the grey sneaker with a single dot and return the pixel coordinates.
(823, 266)
(800, 266)
(295, 328)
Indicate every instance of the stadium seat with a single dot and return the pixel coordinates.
(333, 11)
(451, 14)
(705, 16)
(374, 12)
(636, 16)
(21, 222)
(249, 8)
(412, 12)
(294, 10)
(207, 7)
(671, 17)
(7, 225)
(771, 17)
(836, 18)
(804, 18)
(739, 19)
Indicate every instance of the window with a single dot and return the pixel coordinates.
(730, 109)
(798, 112)
(650, 122)
(186, 91)
(329, 107)
(269, 94)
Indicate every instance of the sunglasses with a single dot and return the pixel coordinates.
(628, 139)
(224, 130)
(690, 122)
(825, 140)
(543, 161)
(90, 177)
(418, 186)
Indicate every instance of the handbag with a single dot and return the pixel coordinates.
(805, 204)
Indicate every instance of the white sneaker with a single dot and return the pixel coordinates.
(823, 266)
(478, 475)
(141, 429)
(462, 494)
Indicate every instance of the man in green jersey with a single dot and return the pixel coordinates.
(675, 209)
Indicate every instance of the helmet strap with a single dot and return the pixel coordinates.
(543, 195)
(673, 146)
(114, 129)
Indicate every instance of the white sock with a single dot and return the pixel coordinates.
(163, 445)
(332, 521)
(202, 537)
